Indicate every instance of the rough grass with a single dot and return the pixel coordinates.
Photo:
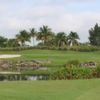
(51, 90)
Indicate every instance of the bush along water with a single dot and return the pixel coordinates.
(75, 73)
(73, 70)
(66, 73)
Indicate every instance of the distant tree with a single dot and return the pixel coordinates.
(44, 34)
(51, 41)
(73, 38)
(33, 34)
(85, 44)
(3, 41)
(22, 37)
(12, 43)
(94, 37)
(61, 39)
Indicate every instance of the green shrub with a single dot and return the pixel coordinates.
(85, 48)
(97, 72)
(81, 48)
(74, 73)
(72, 63)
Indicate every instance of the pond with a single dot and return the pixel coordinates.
(16, 77)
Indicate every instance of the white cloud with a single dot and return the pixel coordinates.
(80, 23)
(58, 17)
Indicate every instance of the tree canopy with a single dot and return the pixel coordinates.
(94, 37)
(46, 37)
(73, 38)
(23, 36)
(3, 41)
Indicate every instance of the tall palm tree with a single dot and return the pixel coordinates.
(33, 34)
(61, 39)
(23, 36)
(73, 38)
(44, 34)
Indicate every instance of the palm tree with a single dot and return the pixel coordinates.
(61, 39)
(22, 37)
(51, 41)
(33, 34)
(44, 34)
(73, 38)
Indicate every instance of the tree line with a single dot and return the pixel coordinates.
(49, 38)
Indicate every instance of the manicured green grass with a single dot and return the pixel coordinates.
(51, 90)
(57, 57)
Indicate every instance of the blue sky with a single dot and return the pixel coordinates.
(60, 15)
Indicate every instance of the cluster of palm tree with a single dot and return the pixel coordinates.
(45, 36)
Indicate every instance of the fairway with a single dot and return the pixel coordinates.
(55, 56)
(51, 90)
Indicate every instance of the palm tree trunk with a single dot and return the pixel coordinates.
(33, 41)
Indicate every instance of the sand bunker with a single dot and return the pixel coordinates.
(9, 56)
(10, 73)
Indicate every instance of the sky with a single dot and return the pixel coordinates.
(60, 15)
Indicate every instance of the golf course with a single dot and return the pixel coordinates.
(50, 50)
(88, 89)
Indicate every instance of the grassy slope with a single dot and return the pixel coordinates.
(51, 90)
(57, 57)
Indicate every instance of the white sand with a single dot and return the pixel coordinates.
(10, 73)
(9, 56)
